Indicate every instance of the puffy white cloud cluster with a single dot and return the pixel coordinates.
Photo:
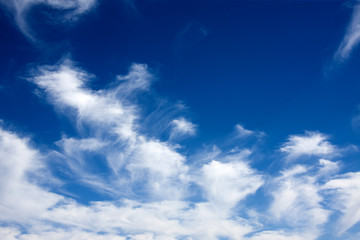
(152, 190)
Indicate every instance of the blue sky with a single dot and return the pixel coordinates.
(131, 120)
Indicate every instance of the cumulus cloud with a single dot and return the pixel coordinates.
(309, 144)
(70, 10)
(351, 38)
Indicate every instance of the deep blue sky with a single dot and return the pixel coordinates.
(252, 107)
(267, 65)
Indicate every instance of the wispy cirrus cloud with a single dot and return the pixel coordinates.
(114, 131)
(351, 38)
(346, 189)
(242, 132)
(69, 10)
(297, 199)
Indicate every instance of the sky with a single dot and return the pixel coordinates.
(159, 119)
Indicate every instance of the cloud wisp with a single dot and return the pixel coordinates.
(351, 38)
(69, 10)
(347, 190)
(146, 188)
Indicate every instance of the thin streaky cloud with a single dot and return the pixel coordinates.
(20, 9)
(347, 192)
(242, 132)
(351, 38)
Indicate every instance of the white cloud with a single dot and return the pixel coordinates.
(9, 233)
(226, 184)
(309, 144)
(182, 127)
(297, 202)
(56, 234)
(137, 79)
(65, 86)
(156, 192)
(20, 10)
(163, 165)
(242, 132)
(328, 168)
(20, 199)
(346, 194)
(153, 167)
(133, 220)
(209, 221)
(76, 153)
(351, 38)
(283, 235)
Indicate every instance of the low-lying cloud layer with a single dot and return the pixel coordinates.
(149, 188)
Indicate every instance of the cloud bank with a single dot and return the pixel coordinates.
(147, 188)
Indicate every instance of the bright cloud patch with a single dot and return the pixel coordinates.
(228, 183)
(146, 189)
(181, 127)
(296, 199)
(347, 192)
(309, 144)
(21, 200)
